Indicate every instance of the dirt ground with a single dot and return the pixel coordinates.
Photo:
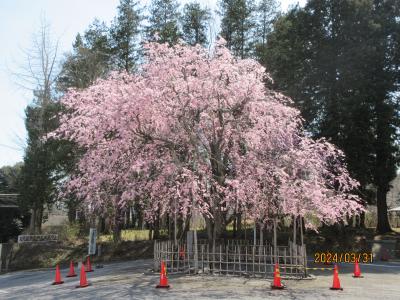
(134, 280)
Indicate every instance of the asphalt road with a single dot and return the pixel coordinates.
(132, 280)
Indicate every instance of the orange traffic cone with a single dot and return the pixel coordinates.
(163, 277)
(357, 271)
(82, 280)
(277, 279)
(71, 270)
(336, 281)
(88, 265)
(57, 280)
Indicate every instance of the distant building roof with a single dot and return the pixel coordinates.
(9, 201)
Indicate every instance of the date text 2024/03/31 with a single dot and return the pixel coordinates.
(342, 257)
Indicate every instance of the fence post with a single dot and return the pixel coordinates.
(275, 242)
(305, 260)
(196, 254)
(156, 255)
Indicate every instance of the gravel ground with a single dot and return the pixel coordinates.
(132, 280)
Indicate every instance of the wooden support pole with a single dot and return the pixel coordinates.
(294, 230)
(301, 230)
(255, 233)
(275, 241)
(175, 226)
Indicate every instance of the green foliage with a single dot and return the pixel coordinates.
(90, 58)
(163, 21)
(10, 224)
(194, 23)
(124, 35)
(9, 178)
(69, 232)
(3, 183)
(45, 161)
(266, 12)
(338, 61)
(127, 235)
(237, 25)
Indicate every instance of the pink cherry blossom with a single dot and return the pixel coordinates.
(194, 131)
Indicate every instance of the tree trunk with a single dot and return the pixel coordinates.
(215, 227)
(255, 233)
(294, 230)
(239, 225)
(362, 220)
(38, 220)
(384, 162)
(383, 225)
(71, 213)
(128, 218)
(157, 228)
(234, 227)
(117, 226)
(301, 230)
(32, 221)
(117, 233)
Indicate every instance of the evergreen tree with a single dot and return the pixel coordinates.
(266, 12)
(237, 25)
(9, 179)
(38, 174)
(194, 23)
(163, 21)
(124, 35)
(338, 61)
(89, 60)
(3, 182)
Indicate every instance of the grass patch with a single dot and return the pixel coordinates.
(128, 235)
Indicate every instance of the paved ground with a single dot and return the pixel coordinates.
(131, 280)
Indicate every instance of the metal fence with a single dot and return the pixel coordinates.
(231, 257)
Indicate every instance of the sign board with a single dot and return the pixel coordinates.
(37, 238)
(92, 241)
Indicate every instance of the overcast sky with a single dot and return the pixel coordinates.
(19, 19)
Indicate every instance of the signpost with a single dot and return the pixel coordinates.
(92, 241)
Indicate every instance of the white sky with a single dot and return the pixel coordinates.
(19, 19)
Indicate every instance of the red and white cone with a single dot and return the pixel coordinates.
(357, 271)
(71, 270)
(82, 280)
(57, 279)
(336, 281)
(163, 278)
(88, 265)
(277, 284)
